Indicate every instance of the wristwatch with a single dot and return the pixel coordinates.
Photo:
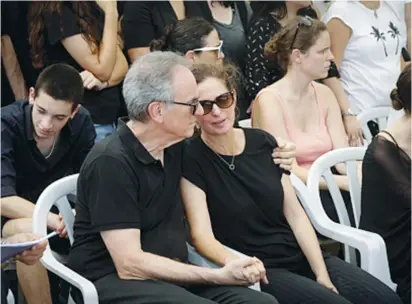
(348, 113)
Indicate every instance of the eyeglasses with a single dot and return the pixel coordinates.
(303, 21)
(223, 101)
(194, 105)
(212, 48)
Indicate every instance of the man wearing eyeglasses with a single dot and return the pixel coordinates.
(129, 231)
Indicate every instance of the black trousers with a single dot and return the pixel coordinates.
(4, 287)
(353, 284)
(113, 290)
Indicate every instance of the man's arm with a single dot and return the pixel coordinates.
(16, 207)
(132, 263)
(12, 68)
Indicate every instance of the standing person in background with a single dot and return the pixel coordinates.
(268, 18)
(13, 85)
(366, 40)
(231, 19)
(144, 21)
(84, 35)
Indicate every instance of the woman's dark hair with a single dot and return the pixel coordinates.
(401, 95)
(61, 82)
(279, 48)
(85, 19)
(183, 35)
(262, 9)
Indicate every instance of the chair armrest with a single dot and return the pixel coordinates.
(371, 246)
(196, 259)
(86, 287)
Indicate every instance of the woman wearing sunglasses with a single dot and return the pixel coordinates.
(195, 38)
(235, 195)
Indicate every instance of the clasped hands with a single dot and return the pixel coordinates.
(244, 271)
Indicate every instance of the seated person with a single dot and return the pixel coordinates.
(300, 109)
(235, 195)
(386, 188)
(195, 38)
(28, 257)
(129, 232)
(42, 140)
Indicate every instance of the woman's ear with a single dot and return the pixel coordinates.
(296, 56)
(190, 55)
(234, 95)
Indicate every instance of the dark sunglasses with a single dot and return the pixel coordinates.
(303, 21)
(223, 101)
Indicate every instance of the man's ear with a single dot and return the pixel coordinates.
(32, 95)
(156, 111)
(75, 111)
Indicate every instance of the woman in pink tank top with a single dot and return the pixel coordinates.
(299, 108)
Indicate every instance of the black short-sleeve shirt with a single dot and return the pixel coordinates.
(103, 105)
(24, 170)
(246, 204)
(121, 186)
(144, 21)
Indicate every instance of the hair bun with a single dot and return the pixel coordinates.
(158, 44)
(397, 102)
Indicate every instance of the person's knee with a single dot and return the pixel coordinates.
(12, 227)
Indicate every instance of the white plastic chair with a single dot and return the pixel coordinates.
(10, 297)
(245, 123)
(380, 114)
(55, 194)
(371, 246)
(196, 259)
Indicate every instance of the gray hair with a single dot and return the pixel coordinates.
(148, 79)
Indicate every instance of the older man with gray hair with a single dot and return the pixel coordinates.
(129, 233)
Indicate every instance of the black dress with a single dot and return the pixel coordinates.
(386, 206)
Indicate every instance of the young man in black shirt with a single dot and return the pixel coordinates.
(42, 140)
(129, 233)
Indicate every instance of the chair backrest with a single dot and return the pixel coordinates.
(245, 123)
(56, 194)
(321, 168)
(380, 114)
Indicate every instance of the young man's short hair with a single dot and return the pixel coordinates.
(62, 82)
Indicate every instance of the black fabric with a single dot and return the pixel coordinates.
(121, 186)
(354, 285)
(103, 105)
(24, 170)
(259, 72)
(113, 290)
(144, 21)
(386, 206)
(4, 286)
(251, 204)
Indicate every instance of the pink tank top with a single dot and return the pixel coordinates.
(309, 146)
